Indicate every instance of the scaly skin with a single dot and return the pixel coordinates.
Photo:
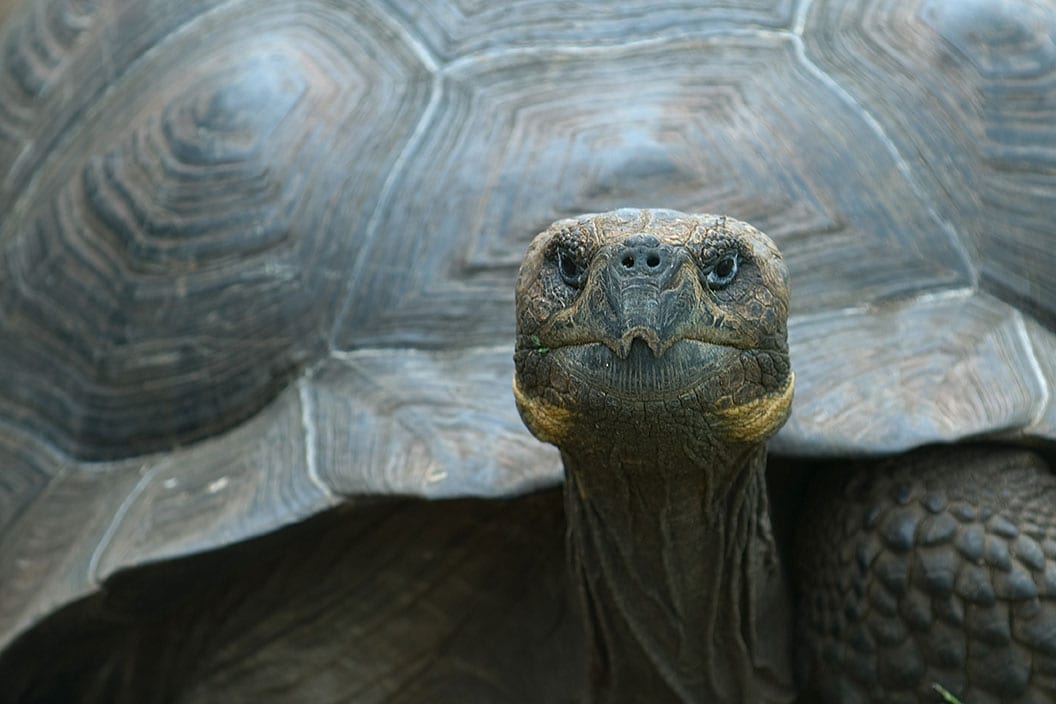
(660, 375)
(937, 567)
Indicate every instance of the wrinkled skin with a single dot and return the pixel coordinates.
(652, 351)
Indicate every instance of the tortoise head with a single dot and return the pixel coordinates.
(651, 324)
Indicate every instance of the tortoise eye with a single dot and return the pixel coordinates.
(723, 271)
(572, 272)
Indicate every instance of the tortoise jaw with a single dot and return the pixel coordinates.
(621, 346)
(589, 393)
(635, 369)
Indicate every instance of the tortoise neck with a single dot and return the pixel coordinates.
(679, 577)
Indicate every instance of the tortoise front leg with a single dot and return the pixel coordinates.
(934, 568)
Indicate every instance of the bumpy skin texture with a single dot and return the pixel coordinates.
(935, 568)
(652, 352)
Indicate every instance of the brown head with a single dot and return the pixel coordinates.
(651, 327)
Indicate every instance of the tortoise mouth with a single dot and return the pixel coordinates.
(639, 374)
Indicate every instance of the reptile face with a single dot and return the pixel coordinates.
(646, 320)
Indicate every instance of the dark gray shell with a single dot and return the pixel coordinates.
(259, 258)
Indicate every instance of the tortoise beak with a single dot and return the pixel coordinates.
(649, 294)
(648, 336)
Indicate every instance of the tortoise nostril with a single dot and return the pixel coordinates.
(643, 255)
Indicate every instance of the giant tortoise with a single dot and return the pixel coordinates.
(257, 328)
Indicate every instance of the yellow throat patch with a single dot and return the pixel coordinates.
(756, 420)
(547, 422)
